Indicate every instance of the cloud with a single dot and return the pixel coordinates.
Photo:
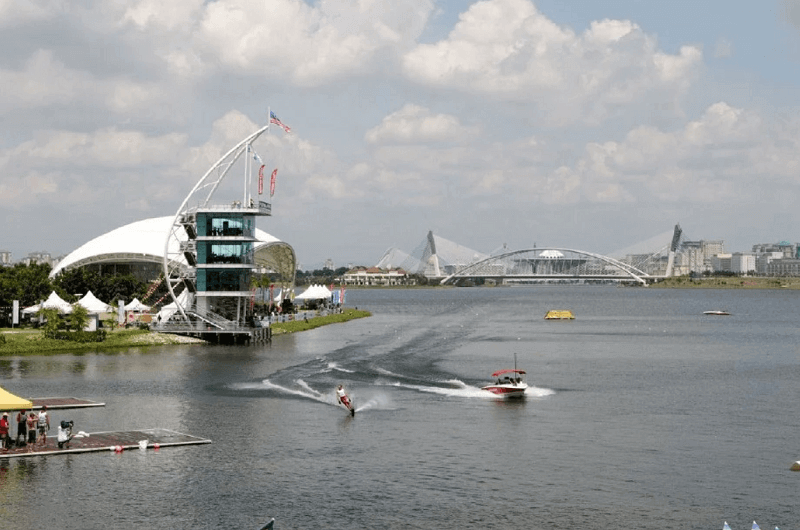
(306, 45)
(507, 49)
(416, 124)
(44, 81)
(722, 157)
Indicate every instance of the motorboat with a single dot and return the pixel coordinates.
(508, 383)
(716, 312)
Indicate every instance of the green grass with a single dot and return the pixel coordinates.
(301, 325)
(725, 282)
(21, 342)
(33, 342)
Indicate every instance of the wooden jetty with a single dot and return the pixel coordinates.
(63, 403)
(105, 441)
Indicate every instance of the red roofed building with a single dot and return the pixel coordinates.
(377, 277)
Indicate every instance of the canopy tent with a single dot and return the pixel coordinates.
(93, 304)
(136, 305)
(53, 302)
(170, 309)
(9, 401)
(315, 292)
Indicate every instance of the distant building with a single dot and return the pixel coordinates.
(784, 267)
(373, 276)
(329, 264)
(743, 262)
(786, 249)
(5, 257)
(37, 258)
(764, 260)
(721, 263)
(695, 256)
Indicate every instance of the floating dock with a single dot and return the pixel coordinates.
(63, 403)
(105, 441)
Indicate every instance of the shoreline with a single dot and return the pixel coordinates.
(728, 282)
(30, 342)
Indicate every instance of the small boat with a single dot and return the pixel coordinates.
(716, 312)
(508, 383)
(559, 314)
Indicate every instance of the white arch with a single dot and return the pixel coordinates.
(632, 271)
(173, 275)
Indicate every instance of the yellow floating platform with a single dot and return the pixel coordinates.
(559, 314)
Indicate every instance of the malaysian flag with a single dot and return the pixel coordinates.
(274, 119)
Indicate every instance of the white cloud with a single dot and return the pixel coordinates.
(722, 157)
(416, 124)
(307, 44)
(168, 16)
(14, 12)
(507, 49)
(45, 81)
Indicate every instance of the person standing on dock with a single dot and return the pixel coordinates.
(44, 425)
(22, 429)
(5, 439)
(31, 424)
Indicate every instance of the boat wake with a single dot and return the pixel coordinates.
(378, 402)
(460, 389)
(335, 367)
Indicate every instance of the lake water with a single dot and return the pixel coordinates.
(644, 413)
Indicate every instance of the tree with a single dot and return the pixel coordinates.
(52, 321)
(79, 317)
(26, 283)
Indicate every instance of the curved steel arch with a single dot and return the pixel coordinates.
(209, 183)
(630, 270)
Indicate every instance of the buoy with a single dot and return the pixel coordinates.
(142, 444)
(112, 448)
(795, 466)
(118, 449)
(156, 447)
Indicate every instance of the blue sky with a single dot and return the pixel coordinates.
(583, 124)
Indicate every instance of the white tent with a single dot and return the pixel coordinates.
(136, 305)
(315, 292)
(170, 309)
(53, 302)
(93, 304)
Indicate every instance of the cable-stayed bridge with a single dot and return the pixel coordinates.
(450, 263)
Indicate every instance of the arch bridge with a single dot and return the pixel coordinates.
(549, 264)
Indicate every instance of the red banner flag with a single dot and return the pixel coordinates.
(261, 180)
(272, 182)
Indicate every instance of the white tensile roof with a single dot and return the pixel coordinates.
(136, 305)
(138, 241)
(94, 304)
(315, 292)
(53, 302)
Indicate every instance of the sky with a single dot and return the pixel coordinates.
(587, 124)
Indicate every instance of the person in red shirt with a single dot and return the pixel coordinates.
(4, 426)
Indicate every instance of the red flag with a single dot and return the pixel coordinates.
(261, 180)
(272, 182)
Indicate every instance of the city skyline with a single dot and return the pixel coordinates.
(592, 124)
